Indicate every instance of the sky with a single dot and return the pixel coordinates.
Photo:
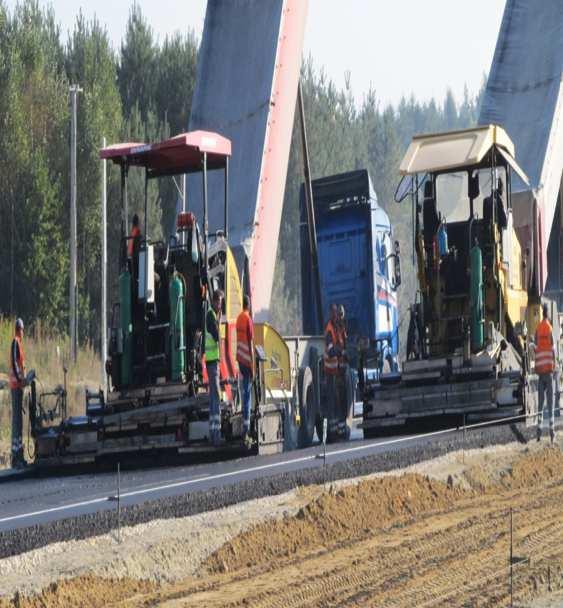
(394, 46)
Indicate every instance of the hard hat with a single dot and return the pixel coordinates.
(19, 324)
(341, 311)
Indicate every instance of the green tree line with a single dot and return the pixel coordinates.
(142, 92)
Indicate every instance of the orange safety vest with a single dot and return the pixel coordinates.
(135, 233)
(245, 335)
(333, 364)
(545, 360)
(17, 360)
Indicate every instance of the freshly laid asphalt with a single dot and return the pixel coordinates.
(38, 500)
(36, 511)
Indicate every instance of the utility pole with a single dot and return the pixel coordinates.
(74, 90)
(104, 331)
(310, 205)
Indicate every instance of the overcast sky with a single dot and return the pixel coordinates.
(395, 46)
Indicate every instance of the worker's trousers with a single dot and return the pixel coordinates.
(545, 387)
(213, 372)
(246, 386)
(336, 387)
(17, 426)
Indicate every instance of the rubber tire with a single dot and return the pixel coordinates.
(290, 429)
(307, 409)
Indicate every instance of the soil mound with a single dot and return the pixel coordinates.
(537, 467)
(81, 592)
(350, 513)
(358, 510)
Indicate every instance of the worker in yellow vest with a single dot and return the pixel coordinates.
(213, 365)
(544, 367)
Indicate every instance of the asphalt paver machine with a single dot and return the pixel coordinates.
(159, 393)
(468, 348)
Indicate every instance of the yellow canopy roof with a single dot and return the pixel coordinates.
(457, 149)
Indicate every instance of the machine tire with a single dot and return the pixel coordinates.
(290, 428)
(307, 409)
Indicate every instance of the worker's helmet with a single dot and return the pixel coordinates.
(341, 312)
(19, 324)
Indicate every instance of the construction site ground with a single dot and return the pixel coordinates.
(435, 534)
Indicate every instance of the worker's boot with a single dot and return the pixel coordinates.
(552, 436)
(247, 441)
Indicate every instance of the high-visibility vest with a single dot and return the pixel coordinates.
(17, 359)
(135, 233)
(545, 361)
(332, 364)
(211, 346)
(244, 339)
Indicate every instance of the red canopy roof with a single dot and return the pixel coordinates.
(180, 154)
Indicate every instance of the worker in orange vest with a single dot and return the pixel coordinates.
(135, 236)
(544, 367)
(335, 367)
(245, 360)
(16, 375)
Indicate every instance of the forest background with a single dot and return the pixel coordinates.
(142, 92)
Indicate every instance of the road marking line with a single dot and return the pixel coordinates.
(263, 467)
(365, 446)
(167, 486)
(54, 509)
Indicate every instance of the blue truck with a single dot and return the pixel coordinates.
(358, 265)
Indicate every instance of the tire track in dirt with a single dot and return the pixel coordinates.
(366, 569)
(427, 567)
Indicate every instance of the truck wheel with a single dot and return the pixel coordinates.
(307, 409)
(290, 426)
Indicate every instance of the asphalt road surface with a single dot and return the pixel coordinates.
(40, 500)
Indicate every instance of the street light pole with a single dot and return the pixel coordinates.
(104, 334)
(73, 317)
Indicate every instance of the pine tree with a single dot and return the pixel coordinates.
(137, 72)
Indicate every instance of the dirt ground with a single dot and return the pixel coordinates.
(437, 534)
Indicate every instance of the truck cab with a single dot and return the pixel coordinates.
(358, 265)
